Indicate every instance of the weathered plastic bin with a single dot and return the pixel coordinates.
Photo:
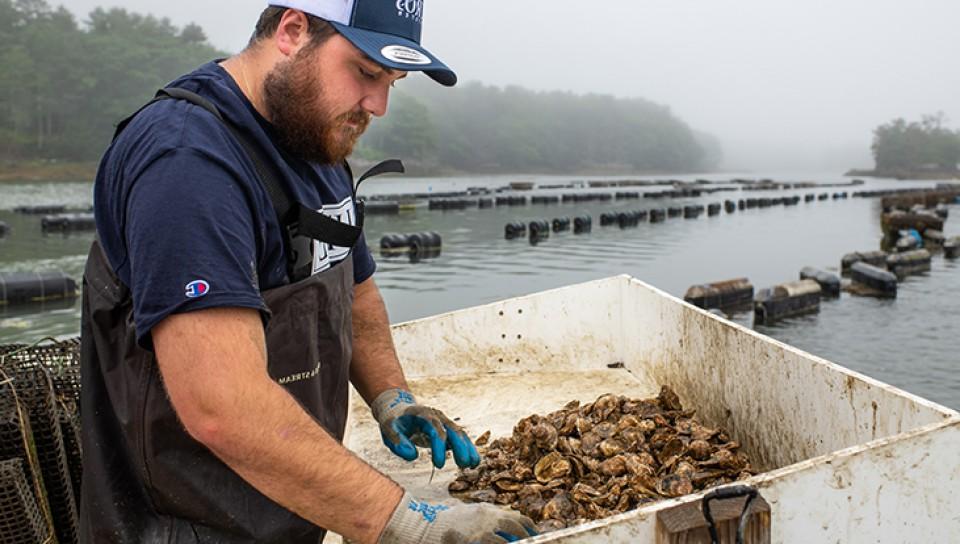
(844, 458)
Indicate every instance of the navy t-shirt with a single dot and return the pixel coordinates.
(183, 219)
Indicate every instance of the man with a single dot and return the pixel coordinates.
(220, 328)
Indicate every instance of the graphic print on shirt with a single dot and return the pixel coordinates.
(326, 255)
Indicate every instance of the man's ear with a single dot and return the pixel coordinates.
(292, 33)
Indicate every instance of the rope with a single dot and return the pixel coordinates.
(31, 455)
(28, 347)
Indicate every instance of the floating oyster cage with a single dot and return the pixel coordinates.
(841, 457)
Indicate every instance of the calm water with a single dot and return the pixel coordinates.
(912, 342)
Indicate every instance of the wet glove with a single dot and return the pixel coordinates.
(418, 522)
(404, 424)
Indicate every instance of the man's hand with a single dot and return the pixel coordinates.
(404, 424)
(419, 522)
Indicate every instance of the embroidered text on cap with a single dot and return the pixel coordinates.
(411, 9)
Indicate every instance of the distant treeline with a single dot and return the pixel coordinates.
(478, 128)
(65, 84)
(900, 147)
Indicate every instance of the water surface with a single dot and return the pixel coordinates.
(911, 342)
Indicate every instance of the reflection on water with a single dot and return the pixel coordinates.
(911, 342)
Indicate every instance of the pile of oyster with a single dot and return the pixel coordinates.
(588, 462)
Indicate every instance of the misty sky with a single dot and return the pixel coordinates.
(790, 85)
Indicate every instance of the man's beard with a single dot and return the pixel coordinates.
(305, 124)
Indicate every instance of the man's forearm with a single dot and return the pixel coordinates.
(260, 431)
(374, 367)
(336, 490)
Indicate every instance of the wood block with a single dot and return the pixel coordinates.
(685, 524)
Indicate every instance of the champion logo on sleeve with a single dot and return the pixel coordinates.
(197, 289)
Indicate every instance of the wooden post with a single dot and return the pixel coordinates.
(685, 524)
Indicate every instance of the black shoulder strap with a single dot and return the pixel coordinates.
(297, 219)
(269, 178)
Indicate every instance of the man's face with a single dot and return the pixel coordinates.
(321, 100)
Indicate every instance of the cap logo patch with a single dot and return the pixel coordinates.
(197, 289)
(404, 55)
(410, 9)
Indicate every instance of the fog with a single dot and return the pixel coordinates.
(788, 85)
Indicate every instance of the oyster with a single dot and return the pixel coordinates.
(674, 486)
(559, 507)
(611, 447)
(632, 438)
(458, 486)
(582, 493)
(552, 466)
(480, 495)
(531, 506)
(582, 424)
(545, 436)
(627, 422)
(548, 525)
(589, 443)
(605, 429)
(668, 399)
(505, 498)
(605, 406)
(699, 449)
(615, 466)
(673, 447)
(589, 461)
(507, 485)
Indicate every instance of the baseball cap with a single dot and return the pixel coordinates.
(387, 31)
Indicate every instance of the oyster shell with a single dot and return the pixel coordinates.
(668, 399)
(551, 467)
(559, 507)
(699, 450)
(615, 466)
(611, 447)
(605, 429)
(589, 461)
(545, 436)
(674, 486)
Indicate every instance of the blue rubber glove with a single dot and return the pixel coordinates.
(404, 425)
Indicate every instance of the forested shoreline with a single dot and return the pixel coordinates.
(924, 149)
(64, 85)
(65, 81)
(480, 128)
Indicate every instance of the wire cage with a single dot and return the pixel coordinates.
(21, 521)
(40, 402)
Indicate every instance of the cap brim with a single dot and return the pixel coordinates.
(373, 44)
